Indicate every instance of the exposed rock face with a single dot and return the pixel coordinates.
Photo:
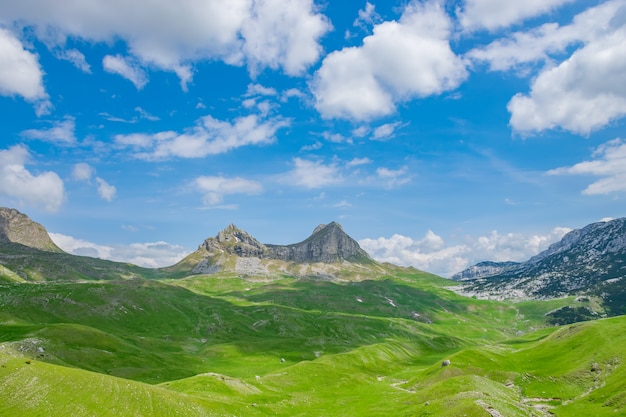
(16, 227)
(328, 243)
(582, 260)
(483, 269)
(234, 241)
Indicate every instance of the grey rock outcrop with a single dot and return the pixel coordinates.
(582, 260)
(16, 227)
(484, 269)
(328, 244)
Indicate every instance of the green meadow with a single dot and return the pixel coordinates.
(224, 345)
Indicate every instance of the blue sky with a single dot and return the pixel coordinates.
(438, 133)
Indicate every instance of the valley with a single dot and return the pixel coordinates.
(80, 336)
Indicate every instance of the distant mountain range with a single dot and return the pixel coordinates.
(591, 260)
(28, 253)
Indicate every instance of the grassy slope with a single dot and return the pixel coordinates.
(214, 345)
(32, 264)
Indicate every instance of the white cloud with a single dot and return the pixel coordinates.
(83, 172)
(61, 132)
(216, 187)
(400, 61)
(358, 161)
(260, 90)
(495, 14)
(312, 147)
(385, 132)
(126, 68)
(609, 162)
(44, 189)
(75, 57)
(367, 17)
(171, 36)
(145, 115)
(433, 255)
(20, 72)
(393, 177)
(283, 34)
(581, 93)
(313, 174)
(106, 191)
(343, 204)
(149, 255)
(208, 137)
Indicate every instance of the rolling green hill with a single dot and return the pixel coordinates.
(226, 346)
(86, 337)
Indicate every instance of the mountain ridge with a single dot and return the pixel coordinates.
(581, 261)
(323, 254)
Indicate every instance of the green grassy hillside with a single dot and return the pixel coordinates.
(226, 346)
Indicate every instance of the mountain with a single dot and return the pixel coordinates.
(16, 227)
(584, 261)
(328, 252)
(28, 254)
(483, 269)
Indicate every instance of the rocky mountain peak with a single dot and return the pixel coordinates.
(16, 227)
(583, 259)
(328, 244)
(234, 241)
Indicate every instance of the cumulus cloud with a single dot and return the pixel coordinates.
(283, 34)
(608, 162)
(578, 95)
(105, 190)
(126, 68)
(171, 36)
(149, 255)
(313, 174)
(215, 188)
(582, 92)
(61, 132)
(432, 254)
(44, 189)
(20, 72)
(401, 60)
(82, 172)
(209, 136)
(495, 14)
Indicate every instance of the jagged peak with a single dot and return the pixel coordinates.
(16, 227)
(330, 226)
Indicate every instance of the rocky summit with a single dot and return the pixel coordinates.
(16, 227)
(328, 250)
(328, 243)
(586, 260)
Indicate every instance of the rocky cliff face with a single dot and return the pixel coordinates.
(328, 243)
(327, 253)
(581, 261)
(16, 227)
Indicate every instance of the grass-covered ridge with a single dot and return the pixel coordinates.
(223, 345)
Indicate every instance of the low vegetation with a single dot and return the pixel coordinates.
(223, 345)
